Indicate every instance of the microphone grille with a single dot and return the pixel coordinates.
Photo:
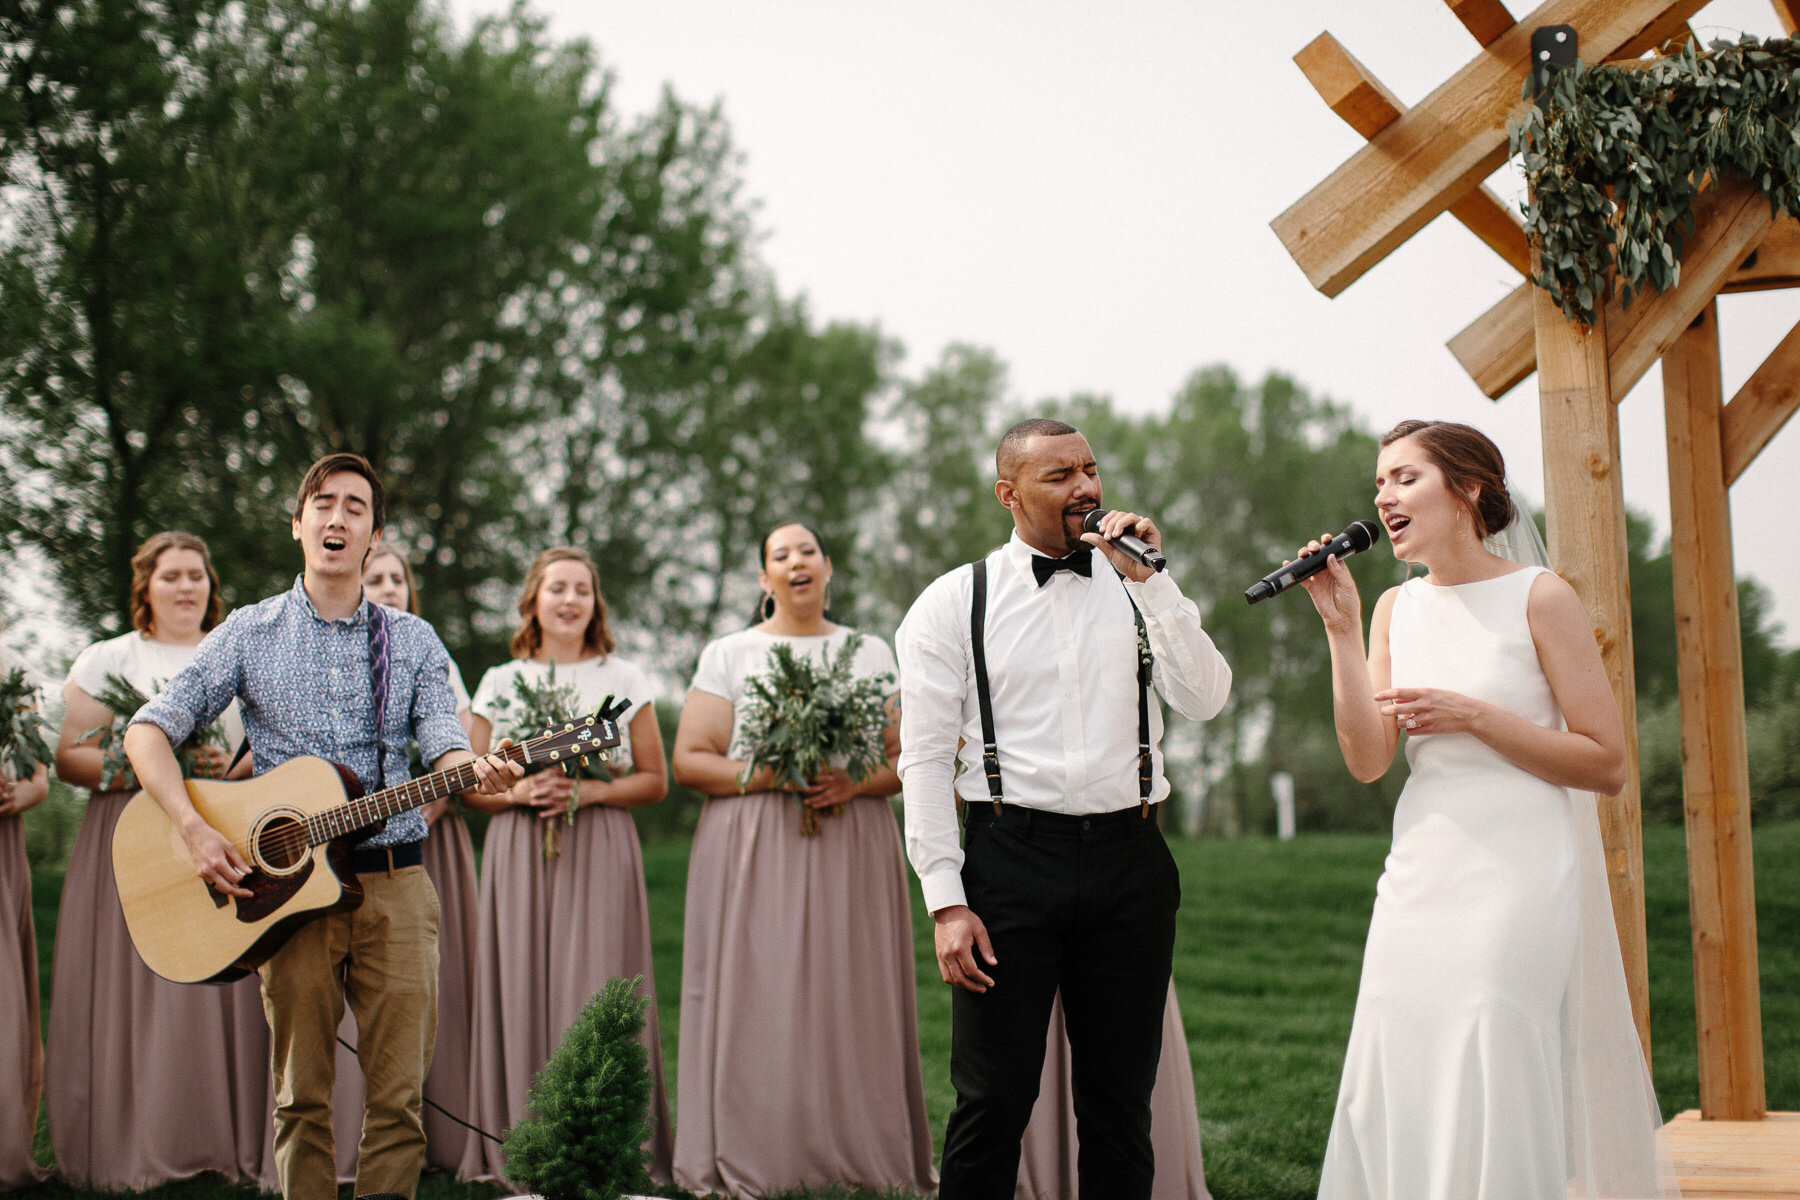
(1091, 522)
(1363, 534)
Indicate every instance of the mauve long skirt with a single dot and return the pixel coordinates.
(21, 1050)
(1047, 1163)
(450, 862)
(550, 933)
(799, 1059)
(149, 1081)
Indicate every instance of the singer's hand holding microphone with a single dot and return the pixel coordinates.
(1133, 543)
(1320, 569)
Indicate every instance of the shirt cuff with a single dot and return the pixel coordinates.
(175, 725)
(942, 889)
(1156, 594)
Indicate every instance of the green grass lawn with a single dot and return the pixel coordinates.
(1266, 964)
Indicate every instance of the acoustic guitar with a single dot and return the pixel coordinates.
(295, 826)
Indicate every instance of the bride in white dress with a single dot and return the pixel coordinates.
(1492, 1055)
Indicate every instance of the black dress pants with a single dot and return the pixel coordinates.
(1082, 904)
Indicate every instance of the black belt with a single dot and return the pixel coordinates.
(1053, 822)
(371, 859)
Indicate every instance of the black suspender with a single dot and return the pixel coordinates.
(990, 750)
(1145, 762)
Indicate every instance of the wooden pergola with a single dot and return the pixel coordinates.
(1432, 158)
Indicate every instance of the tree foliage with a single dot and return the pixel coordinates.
(249, 234)
(590, 1106)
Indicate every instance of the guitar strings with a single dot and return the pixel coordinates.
(290, 842)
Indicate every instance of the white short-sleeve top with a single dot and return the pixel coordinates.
(458, 687)
(146, 665)
(726, 665)
(594, 679)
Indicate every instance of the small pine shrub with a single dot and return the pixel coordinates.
(590, 1106)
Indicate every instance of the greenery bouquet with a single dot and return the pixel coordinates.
(23, 742)
(536, 707)
(803, 715)
(123, 700)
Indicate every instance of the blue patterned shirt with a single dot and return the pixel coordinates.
(302, 685)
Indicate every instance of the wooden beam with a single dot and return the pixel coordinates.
(1765, 402)
(1715, 768)
(1499, 348)
(1670, 30)
(1774, 264)
(1439, 151)
(1788, 11)
(1486, 19)
(1729, 222)
(1723, 237)
(1585, 505)
(1365, 105)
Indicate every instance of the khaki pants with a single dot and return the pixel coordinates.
(383, 958)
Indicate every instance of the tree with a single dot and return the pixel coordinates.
(938, 509)
(1652, 574)
(279, 228)
(128, 325)
(441, 201)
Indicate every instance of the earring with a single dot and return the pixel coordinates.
(767, 607)
(827, 607)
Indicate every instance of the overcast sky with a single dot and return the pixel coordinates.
(1087, 189)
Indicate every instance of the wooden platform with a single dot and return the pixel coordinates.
(1737, 1160)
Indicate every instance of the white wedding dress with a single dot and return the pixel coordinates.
(1492, 1055)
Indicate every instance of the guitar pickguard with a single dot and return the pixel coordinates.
(270, 892)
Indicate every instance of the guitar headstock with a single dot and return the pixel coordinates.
(596, 733)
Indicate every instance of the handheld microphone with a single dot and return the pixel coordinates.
(1360, 536)
(1135, 547)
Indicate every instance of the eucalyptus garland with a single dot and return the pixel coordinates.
(1615, 153)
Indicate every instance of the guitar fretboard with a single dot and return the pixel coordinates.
(364, 811)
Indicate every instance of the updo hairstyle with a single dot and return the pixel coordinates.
(1466, 456)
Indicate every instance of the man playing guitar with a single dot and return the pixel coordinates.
(303, 666)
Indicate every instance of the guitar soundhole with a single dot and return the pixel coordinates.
(281, 844)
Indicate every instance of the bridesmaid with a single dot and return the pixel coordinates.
(21, 1050)
(450, 862)
(149, 1081)
(552, 930)
(1047, 1158)
(799, 1058)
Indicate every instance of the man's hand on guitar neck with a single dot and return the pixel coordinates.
(494, 773)
(219, 863)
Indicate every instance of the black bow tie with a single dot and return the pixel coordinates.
(1081, 562)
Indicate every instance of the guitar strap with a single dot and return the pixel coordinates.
(990, 751)
(378, 683)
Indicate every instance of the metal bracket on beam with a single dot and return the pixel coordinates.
(1552, 47)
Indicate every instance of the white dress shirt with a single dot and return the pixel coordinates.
(1062, 674)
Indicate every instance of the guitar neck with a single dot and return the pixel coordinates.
(364, 811)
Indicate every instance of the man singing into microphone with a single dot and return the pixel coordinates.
(1028, 662)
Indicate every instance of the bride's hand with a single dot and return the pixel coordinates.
(1429, 710)
(1333, 590)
